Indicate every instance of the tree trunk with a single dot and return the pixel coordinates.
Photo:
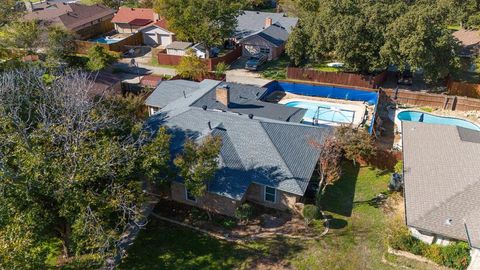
(65, 233)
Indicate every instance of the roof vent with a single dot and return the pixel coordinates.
(204, 107)
(448, 222)
(250, 116)
(209, 125)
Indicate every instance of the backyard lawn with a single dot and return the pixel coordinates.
(355, 241)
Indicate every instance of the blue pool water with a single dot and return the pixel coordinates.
(433, 119)
(323, 112)
(105, 40)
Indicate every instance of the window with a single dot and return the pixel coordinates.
(189, 196)
(270, 194)
(265, 50)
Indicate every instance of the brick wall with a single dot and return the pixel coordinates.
(284, 200)
(212, 202)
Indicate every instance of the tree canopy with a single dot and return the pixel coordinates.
(72, 168)
(209, 22)
(370, 35)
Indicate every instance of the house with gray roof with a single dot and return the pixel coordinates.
(262, 160)
(263, 32)
(442, 182)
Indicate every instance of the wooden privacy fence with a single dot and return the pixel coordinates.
(431, 100)
(82, 46)
(463, 89)
(173, 60)
(338, 78)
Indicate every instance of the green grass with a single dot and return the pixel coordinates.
(166, 246)
(276, 69)
(323, 67)
(154, 62)
(355, 241)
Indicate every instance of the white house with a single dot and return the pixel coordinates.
(178, 48)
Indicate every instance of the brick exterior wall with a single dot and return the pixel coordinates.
(284, 200)
(212, 202)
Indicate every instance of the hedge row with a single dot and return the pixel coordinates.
(455, 255)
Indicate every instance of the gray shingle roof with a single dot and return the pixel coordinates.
(168, 91)
(442, 179)
(245, 99)
(274, 34)
(179, 45)
(263, 151)
(253, 21)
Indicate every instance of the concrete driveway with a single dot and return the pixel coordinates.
(239, 74)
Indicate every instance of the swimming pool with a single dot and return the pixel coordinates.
(106, 40)
(317, 111)
(417, 116)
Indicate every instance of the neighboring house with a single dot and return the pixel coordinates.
(265, 161)
(263, 32)
(146, 20)
(85, 21)
(131, 20)
(179, 48)
(441, 172)
(157, 34)
(469, 41)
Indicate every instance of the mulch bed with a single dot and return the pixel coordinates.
(265, 222)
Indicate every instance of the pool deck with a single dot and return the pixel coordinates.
(358, 107)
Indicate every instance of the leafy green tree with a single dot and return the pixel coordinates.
(9, 9)
(60, 44)
(357, 144)
(420, 40)
(192, 67)
(21, 35)
(99, 58)
(209, 22)
(198, 163)
(71, 168)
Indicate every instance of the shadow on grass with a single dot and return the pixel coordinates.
(167, 246)
(339, 197)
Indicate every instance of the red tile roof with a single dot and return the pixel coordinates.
(162, 23)
(127, 15)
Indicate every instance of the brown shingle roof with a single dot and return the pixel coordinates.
(442, 179)
(69, 15)
(469, 39)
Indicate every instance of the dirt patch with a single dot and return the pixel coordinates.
(270, 264)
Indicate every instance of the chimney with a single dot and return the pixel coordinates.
(29, 6)
(223, 94)
(156, 17)
(268, 22)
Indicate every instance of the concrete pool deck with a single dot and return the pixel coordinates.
(360, 108)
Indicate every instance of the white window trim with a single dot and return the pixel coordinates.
(265, 193)
(188, 199)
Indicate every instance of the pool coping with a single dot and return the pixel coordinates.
(398, 122)
(354, 123)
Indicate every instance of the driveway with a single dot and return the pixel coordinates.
(239, 74)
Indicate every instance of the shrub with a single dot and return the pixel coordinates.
(455, 255)
(99, 58)
(399, 167)
(244, 212)
(310, 213)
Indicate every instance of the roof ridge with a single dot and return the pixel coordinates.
(446, 201)
(278, 152)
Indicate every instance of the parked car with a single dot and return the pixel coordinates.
(254, 62)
